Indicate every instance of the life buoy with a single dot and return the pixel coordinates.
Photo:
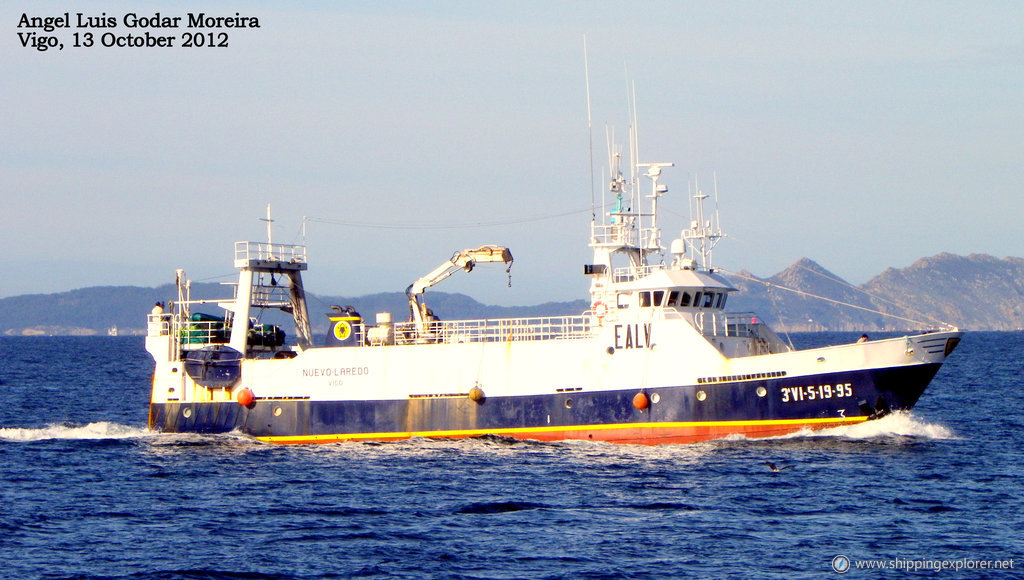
(600, 310)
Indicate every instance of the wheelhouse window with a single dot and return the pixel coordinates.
(653, 299)
(659, 296)
(696, 299)
(673, 298)
(622, 299)
(709, 299)
(685, 300)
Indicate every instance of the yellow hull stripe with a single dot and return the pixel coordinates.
(552, 429)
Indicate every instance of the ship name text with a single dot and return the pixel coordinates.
(633, 336)
(335, 372)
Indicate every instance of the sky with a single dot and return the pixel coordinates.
(387, 135)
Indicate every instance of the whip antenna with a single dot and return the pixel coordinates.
(590, 131)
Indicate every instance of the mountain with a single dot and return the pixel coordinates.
(83, 311)
(976, 292)
(793, 299)
(94, 310)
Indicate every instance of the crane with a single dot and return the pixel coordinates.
(461, 260)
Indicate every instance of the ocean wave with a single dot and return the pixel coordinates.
(897, 424)
(95, 431)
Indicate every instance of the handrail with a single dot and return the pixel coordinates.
(495, 330)
(248, 252)
(739, 324)
(629, 273)
(623, 234)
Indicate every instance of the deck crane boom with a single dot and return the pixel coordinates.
(461, 260)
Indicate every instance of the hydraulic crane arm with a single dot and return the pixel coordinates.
(462, 260)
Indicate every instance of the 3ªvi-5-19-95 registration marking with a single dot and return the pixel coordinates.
(816, 392)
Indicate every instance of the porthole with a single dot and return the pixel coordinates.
(277, 411)
(186, 412)
(761, 391)
(655, 398)
(568, 403)
(701, 395)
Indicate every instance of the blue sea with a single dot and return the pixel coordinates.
(88, 492)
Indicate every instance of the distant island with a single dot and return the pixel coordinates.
(975, 292)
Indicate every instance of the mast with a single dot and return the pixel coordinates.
(703, 234)
(262, 269)
(270, 222)
(590, 132)
(657, 190)
(625, 230)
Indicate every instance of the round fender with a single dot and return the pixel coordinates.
(245, 397)
(640, 401)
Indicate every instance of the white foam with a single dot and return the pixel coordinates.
(897, 424)
(98, 430)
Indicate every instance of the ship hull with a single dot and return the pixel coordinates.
(755, 408)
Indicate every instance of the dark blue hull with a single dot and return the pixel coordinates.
(754, 407)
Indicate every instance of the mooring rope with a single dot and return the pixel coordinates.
(778, 314)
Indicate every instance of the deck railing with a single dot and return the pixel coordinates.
(624, 234)
(741, 324)
(248, 252)
(494, 330)
(628, 274)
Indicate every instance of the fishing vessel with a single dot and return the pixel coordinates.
(656, 358)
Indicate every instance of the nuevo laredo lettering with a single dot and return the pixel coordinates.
(335, 372)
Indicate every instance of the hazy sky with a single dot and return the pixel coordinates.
(862, 135)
